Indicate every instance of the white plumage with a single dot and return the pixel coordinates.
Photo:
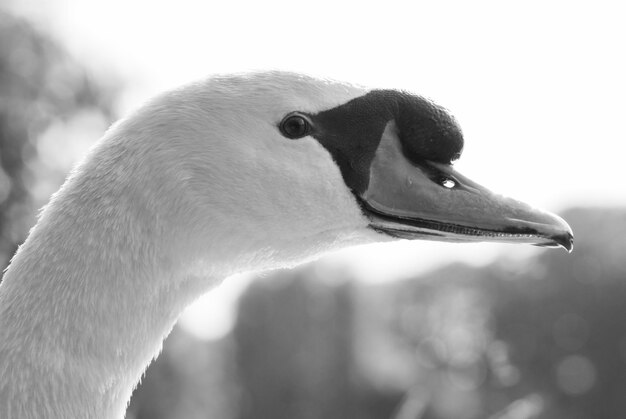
(195, 186)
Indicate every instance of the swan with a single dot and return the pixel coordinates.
(231, 174)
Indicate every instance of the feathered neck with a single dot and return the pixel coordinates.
(96, 287)
(125, 245)
(86, 303)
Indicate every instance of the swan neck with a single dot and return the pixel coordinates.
(84, 308)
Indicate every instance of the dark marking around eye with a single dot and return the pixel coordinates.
(351, 132)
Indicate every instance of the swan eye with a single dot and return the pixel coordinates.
(295, 126)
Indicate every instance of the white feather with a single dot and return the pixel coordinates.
(195, 186)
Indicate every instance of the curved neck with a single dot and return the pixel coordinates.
(84, 308)
(117, 255)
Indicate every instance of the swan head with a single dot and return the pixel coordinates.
(232, 174)
(285, 161)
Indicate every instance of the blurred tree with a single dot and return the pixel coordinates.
(539, 339)
(563, 321)
(191, 379)
(39, 84)
(294, 349)
(295, 354)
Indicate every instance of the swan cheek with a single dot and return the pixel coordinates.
(314, 197)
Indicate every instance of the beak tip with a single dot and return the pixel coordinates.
(557, 233)
(566, 238)
(566, 241)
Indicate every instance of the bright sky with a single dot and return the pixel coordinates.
(538, 87)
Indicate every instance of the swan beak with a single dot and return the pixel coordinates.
(430, 200)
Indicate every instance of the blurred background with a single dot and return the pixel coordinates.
(399, 331)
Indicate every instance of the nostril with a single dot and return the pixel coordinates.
(447, 182)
